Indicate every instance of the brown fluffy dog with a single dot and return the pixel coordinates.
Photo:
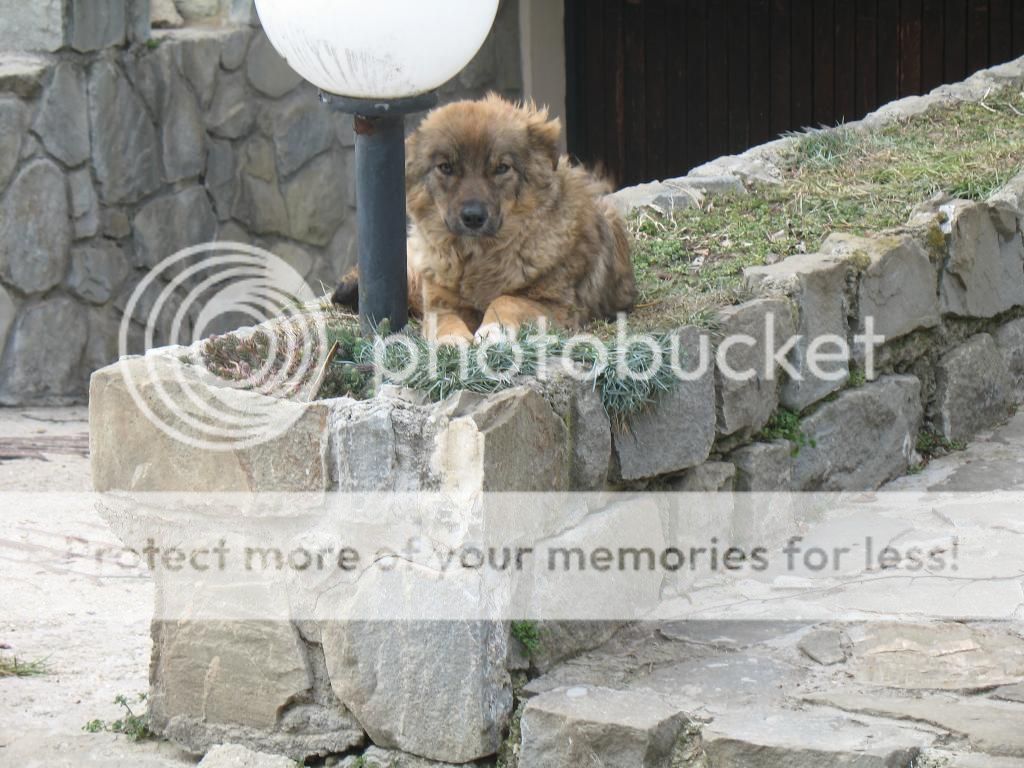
(504, 231)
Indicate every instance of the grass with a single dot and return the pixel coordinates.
(12, 666)
(134, 726)
(527, 633)
(838, 180)
(785, 425)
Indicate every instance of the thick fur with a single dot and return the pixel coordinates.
(550, 246)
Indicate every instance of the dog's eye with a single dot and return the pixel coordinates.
(446, 168)
(502, 169)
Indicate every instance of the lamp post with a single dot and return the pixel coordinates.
(379, 61)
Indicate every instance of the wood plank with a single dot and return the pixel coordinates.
(977, 35)
(781, 67)
(1000, 33)
(867, 56)
(718, 79)
(888, 51)
(824, 46)
(846, 61)
(955, 49)
(1018, 28)
(697, 83)
(615, 63)
(803, 63)
(635, 156)
(910, 47)
(760, 72)
(932, 44)
(739, 75)
(676, 89)
(656, 67)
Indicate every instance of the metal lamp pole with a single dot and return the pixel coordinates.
(380, 204)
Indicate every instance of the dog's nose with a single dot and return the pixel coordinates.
(474, 215)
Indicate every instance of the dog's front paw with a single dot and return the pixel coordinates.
(494, 333)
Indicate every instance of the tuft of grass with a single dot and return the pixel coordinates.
(785, 425)
(932, 445)
(132, 725)
(12, 666)
(527, 633)
(842, 179)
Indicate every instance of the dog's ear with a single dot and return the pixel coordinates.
(545, 135)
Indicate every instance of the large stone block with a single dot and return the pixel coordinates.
(974, 389)
(1010, 340)
(43, 353)
(63, 120)
(126, 155)
(710, 477)
(220, 177)
(436, 689)
(375, 757)
(198, 10)
(747, 400)
(316, 200)
(98, 270)
(590, 727)
(244, 682)
(818, 286)
(258, 201)
(268, 72)
(512, 441)
(23, 76)
(184, 136)
(591, 440)
(32, 26)
(97, 24)
(231, 113)
(170, 224)
(131, 451)
(237, 756)
(677, 432)
(301, 129)
(35, 229)
(8, 311)
(85, 205)
(13, 116)
(984, 274)
(897, 287)
(764, 467)
(862, 439)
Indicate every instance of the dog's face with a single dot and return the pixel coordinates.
(476, 169)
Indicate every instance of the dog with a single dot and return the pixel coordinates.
(504, 230)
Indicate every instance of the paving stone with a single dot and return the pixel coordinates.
(41, 365)
(315, 200)
(678, 431)
(818, 286)
(974, 389)
(745, 406)
(237, 756)
(98, 270)
(989, 726)
(375, 757)
(862, 439)
(35, 231)
(171, 224)
(97, 24)
(126, 156)
(13, 116)
(590, 727)
(268, 72)
(730, 635)
(1010, 693)
(825, 646)
(63, 119)
(982, 277)
(183, 134)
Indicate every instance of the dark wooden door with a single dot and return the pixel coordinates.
(656, 87)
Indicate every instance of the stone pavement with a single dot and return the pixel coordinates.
(812, 692)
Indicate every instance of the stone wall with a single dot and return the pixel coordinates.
(947, 290)
(119, 146)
